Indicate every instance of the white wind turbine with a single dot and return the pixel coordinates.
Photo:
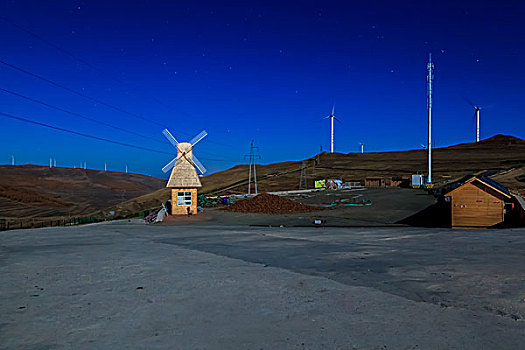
(476, 115)
(332, 117)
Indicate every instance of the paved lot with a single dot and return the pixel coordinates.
(128, 285)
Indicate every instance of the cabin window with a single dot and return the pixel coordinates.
(183, 198)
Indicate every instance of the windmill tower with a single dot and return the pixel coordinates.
(332, 117)
(184, 180)
(476, 116)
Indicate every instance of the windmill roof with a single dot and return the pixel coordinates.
(184, 175)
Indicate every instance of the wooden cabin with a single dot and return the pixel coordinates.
(184, 182)
(479, 202)
(374, 182)
(386, 182)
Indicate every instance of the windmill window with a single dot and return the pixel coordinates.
(184, 198)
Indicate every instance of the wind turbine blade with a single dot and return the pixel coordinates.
(170, 137)
(469, 102)
(170, 165)
(333, 109)
(198, 165)
(337, 119)
(199, 137)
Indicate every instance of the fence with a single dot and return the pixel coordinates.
(16, 223)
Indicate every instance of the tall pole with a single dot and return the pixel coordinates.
(430, 77)
(250, 171)
(332, 134)
(477, 124)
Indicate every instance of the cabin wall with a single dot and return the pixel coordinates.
(177, 209)
(474, 207)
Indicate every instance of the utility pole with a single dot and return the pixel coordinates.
(430, 77)
(303, 183)
(252, 156)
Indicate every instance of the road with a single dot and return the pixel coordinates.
(126, 285)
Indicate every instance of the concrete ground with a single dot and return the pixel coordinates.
(127, 285)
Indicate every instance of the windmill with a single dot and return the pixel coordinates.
(362, 147)
(332, 117)
(184, 180)
(476, 116)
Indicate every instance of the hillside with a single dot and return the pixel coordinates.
(496, 154)
(39, 191)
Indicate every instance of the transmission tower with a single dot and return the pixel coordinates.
(252, 156)
(303, 183)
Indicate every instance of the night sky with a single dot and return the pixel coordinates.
(267, 71)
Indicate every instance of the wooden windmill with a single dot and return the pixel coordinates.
(184, 180)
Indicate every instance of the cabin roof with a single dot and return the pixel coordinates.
(487, 182)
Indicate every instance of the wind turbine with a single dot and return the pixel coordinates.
(362, 146)
(476, 115)
(332, 117)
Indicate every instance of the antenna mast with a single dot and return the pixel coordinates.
(252, 157)
(430, 77)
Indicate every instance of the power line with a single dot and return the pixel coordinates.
(78, 115)
(10, 116)
(78, 59)
(80, 134)
(93, 99)
(78, 93)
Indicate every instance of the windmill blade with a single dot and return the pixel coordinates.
(170, 165)
(337, 119)
(469, 102)
(199, 137)
(170, 137)
(198, 165)
(333, 109)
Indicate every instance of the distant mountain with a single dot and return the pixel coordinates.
(493, 155)
(39, 191)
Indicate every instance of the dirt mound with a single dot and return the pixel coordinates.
(270, 204)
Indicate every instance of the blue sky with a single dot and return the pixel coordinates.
(268, 71)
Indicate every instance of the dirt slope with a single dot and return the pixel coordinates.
(496, 154)
(37, 191)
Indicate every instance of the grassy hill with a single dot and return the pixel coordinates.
(31, 191)
(37, 191)
(497, 154)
